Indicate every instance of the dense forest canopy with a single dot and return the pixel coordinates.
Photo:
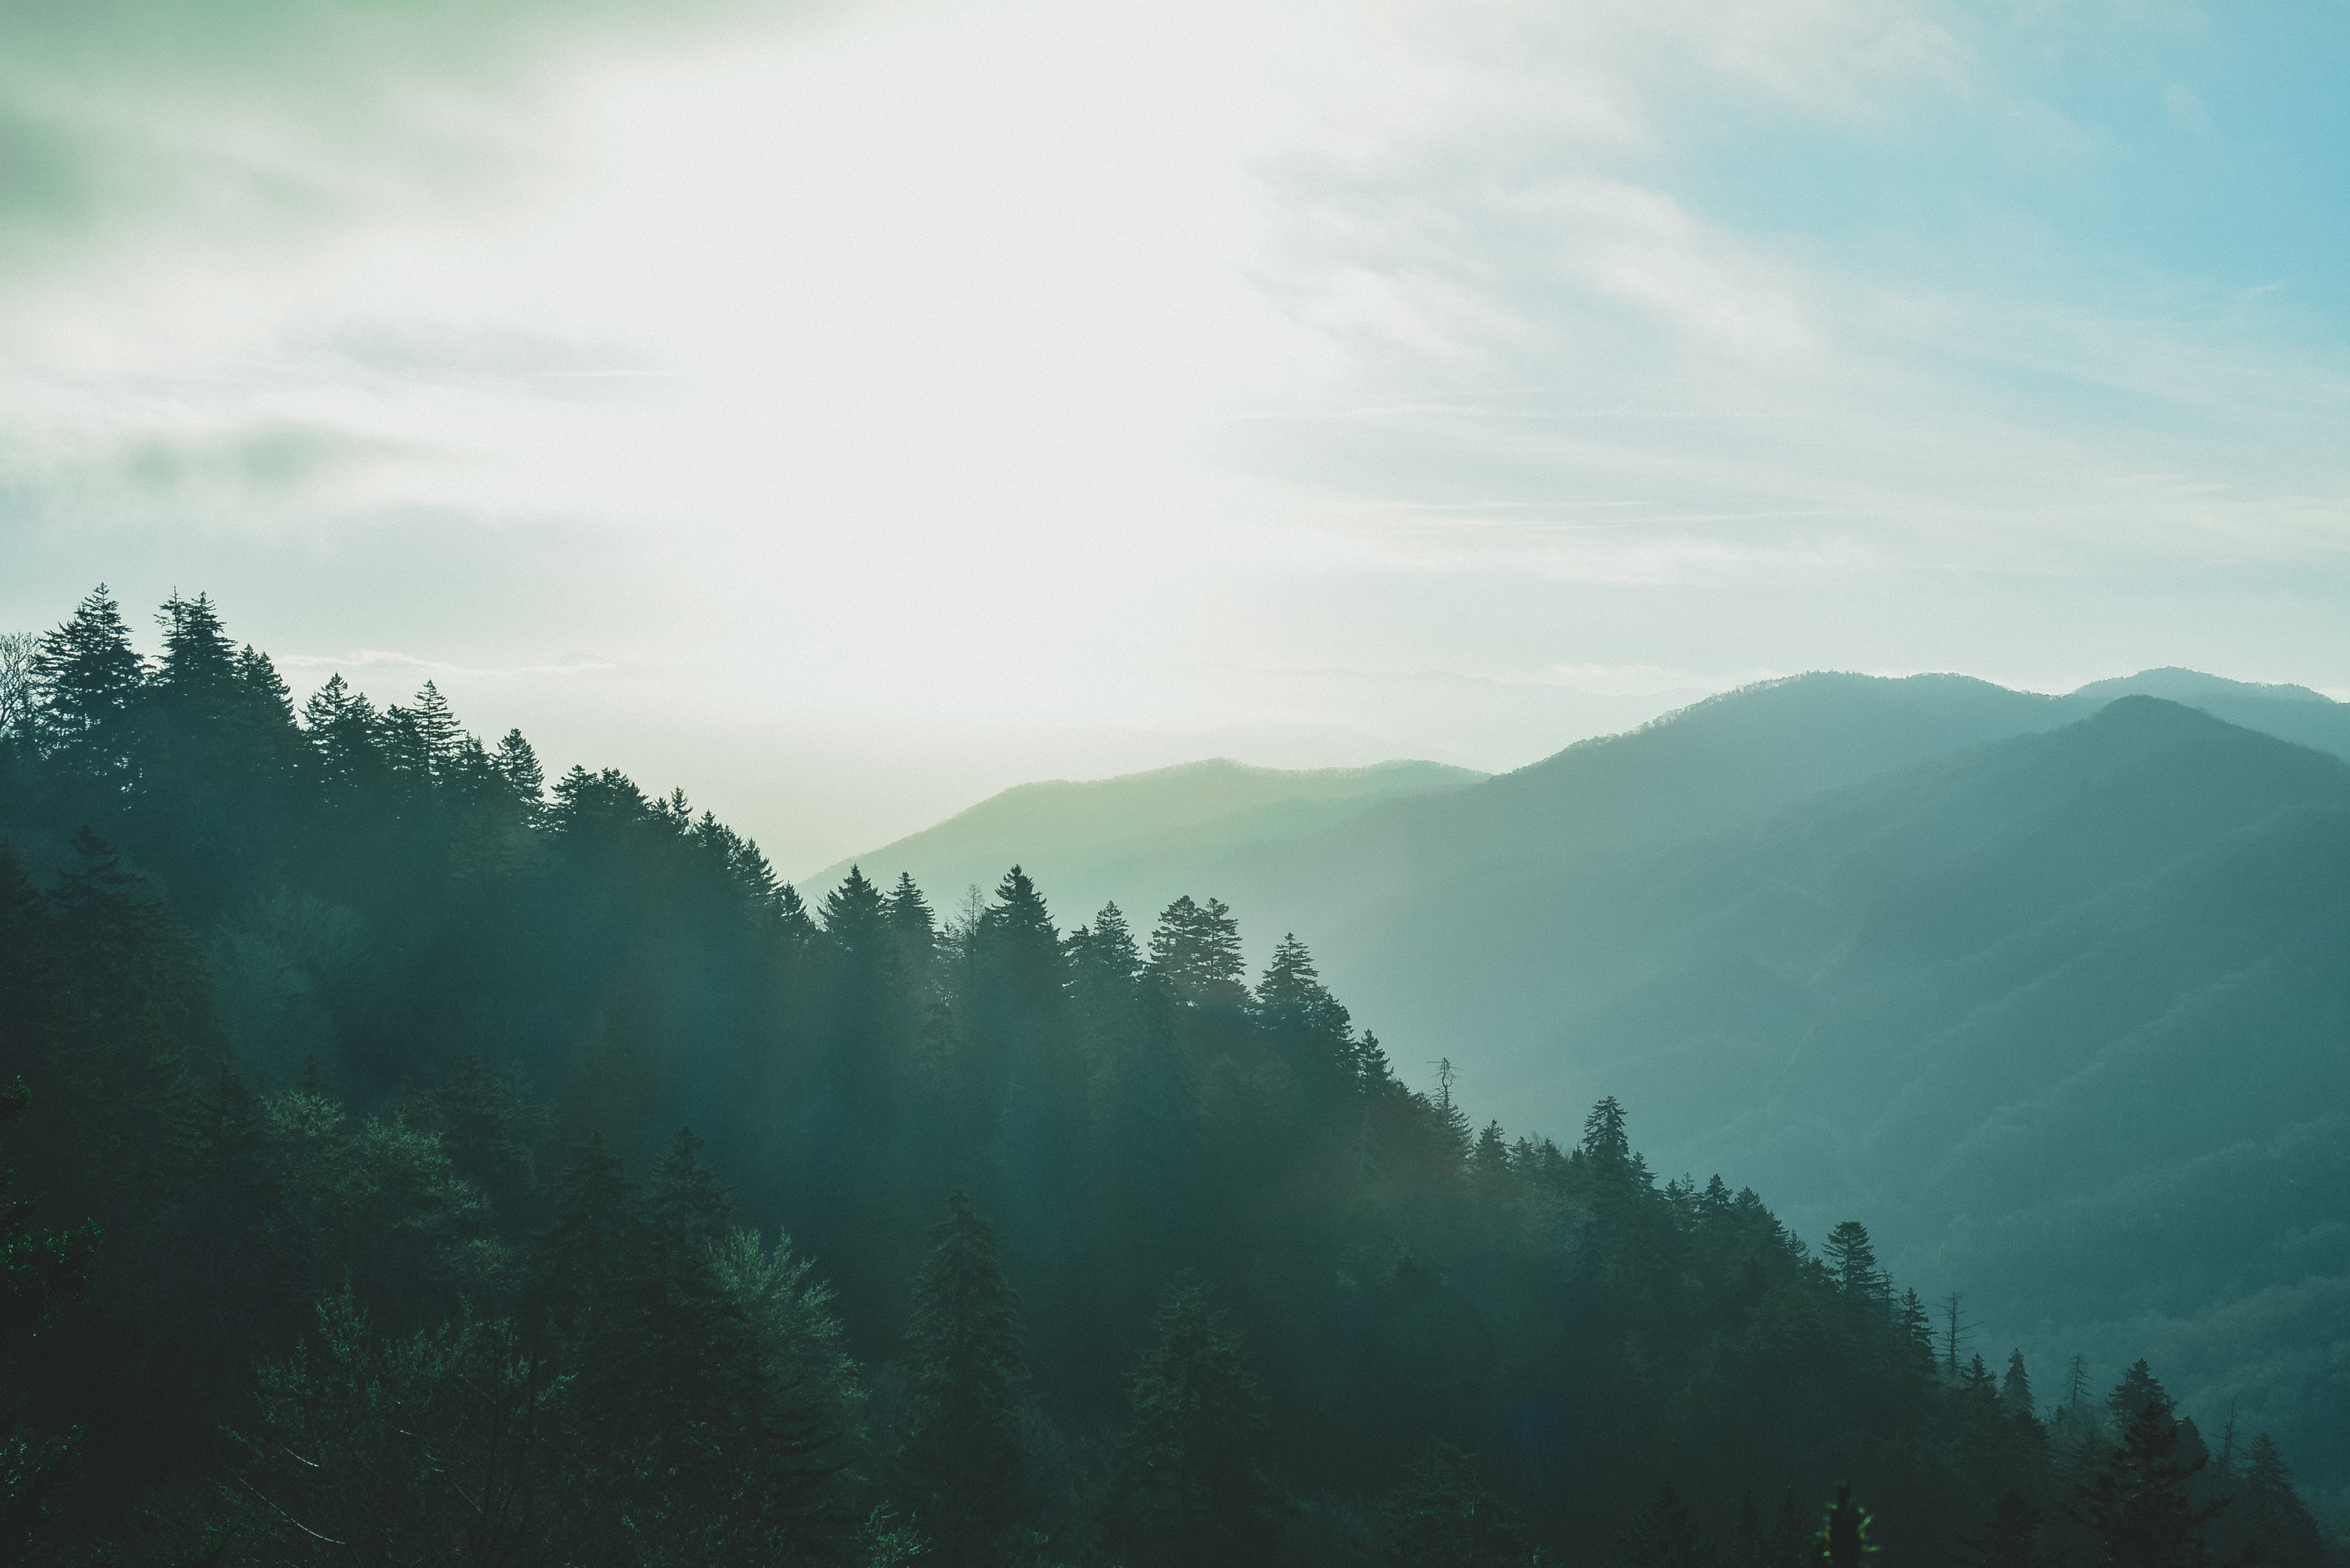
(417, 1161)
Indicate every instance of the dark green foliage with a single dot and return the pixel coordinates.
(1444, 1517)
(1191, 1487)
(964, 1364)
(2137, 1502)
(40, 1272)
(2010, 1536)
(1663, 1535)
(350, 1034)
(1844, 1538)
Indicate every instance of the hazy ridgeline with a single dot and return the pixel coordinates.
(368, 1057)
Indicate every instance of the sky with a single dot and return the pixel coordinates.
(845, 411)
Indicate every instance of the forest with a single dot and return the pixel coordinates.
(412, 1159)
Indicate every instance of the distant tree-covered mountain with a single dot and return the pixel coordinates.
(1907, 942)
(1141, 837)
(414, 1161)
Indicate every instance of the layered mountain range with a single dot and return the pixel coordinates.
(2052, 992)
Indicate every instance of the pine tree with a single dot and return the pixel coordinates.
(1605, 1142)
(1191, 1486)
(1290, 983)
(687, 1196)
(2009, 1537)
(1664, 1534)
(198, 676)
(1443, 1516)
(1843, 1537)
(1853, 1260)
(40, 1272)
(2015, 1390)
(2137, 1502)
(517, 765)
(439, 736)
(341, 727)
(88, 686)
(1790, 1543)
(962, 1352)
(1196, 950)
(915, 927)
(2279, 1525)
(2138, 1388)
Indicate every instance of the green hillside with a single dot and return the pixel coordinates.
(2018, 1002)
(2014, 972)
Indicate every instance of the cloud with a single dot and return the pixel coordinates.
(267, 465)
(120, 116)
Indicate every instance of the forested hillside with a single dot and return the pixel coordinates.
(1905, 947)
(415, 1162)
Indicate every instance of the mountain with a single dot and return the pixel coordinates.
(2065, 1018)
(2004, 975)
(1134, 837)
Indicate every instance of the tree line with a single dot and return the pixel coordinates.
(435, 1164)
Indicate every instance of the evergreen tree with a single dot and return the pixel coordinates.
(1191, 1485)
(2278, 1527)
(1443, 1516)
(2015, 1390)
(88, 688)
(911, 921)
(2009, 1537)
(962, 1353)
(1196, 950)
(1663, 1535)
(517, 765)
(40, 1272)
(1853, 1260)
(1843, 1537)
(2137, 1502)
(1290, 981)
(687, 1196)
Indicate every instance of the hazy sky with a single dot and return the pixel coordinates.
(844, 411)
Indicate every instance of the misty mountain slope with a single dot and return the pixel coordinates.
(2007, 1006)
(1093, 841)
(2292, 713)
(1728, 759)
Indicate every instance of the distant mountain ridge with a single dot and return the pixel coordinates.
(2004, 974)
(1107, 834)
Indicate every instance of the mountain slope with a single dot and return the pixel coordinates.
(2065, 1018)
(1122, 838)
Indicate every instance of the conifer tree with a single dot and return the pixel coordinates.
(517, 765)
(2279, 1526)
(2137, 1502)
(40, 1272)
(1853, 1260)
(1191, 1485)
(687, 1196)
(1443, 1516)
(1790, 1543)
(915, 927)
(2015, 1390)
(88, 688)
(1664, 1534)
(2009, 1537)
(1196, 950)
(962, 1353)
(1843, 1537)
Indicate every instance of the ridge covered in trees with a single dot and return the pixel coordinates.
(415, 1162)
